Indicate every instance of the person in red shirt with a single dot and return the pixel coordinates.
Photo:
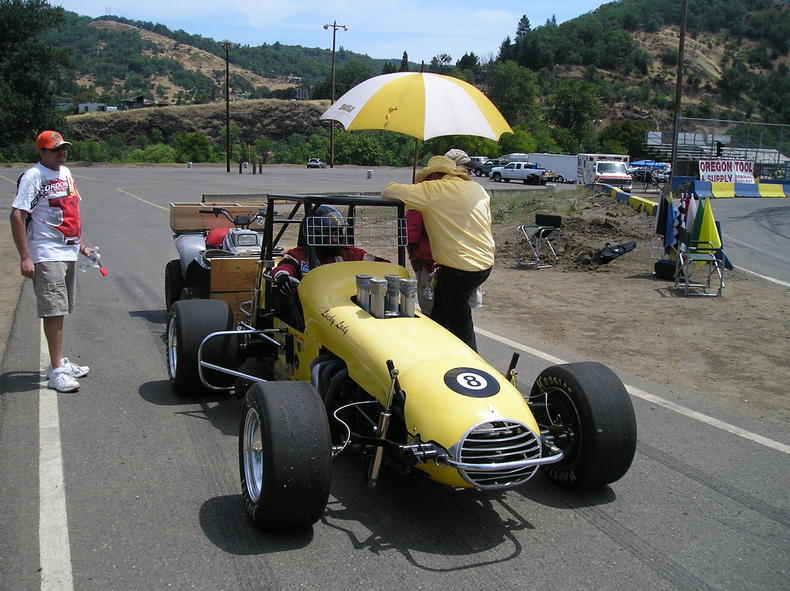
(326, 231)
(46, 228)
(419, 249)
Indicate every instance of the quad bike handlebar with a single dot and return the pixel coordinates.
(239, 221)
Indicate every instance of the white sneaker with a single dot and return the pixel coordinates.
(62, 381)
(74, 370)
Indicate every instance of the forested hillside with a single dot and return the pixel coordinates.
(113, 58)
(596, 82)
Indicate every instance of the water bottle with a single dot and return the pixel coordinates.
(93, 260)
(430, 288)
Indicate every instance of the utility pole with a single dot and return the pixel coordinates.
(335, 27)
(679, 86)
(226, 45)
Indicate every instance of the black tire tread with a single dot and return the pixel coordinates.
(297, 455)
(174, 282)
(195, 319)
(608, 425)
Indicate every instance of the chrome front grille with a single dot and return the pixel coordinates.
(492, 446)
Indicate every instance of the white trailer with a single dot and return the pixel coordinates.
(564, 166)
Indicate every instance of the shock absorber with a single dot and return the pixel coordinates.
(383, 425)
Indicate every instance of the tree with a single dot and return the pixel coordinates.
(358, 148)
(192, 147)
(629, 134)
(506, 50)
(404, 63)
(29, 69)
(523, 26)
(519, 141)
(469, 61)
(440, 64)
(388, 68)
(513, 90)
(573, 104)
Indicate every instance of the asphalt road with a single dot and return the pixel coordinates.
(146, 495)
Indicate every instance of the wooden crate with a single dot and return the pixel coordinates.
(186, 217)
(234, 298)
(233, 273)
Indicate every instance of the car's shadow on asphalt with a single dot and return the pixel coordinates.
(409, 514)
(225, 524)
(544, 492)
(221, 409)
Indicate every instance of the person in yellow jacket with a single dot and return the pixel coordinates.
(457, 215)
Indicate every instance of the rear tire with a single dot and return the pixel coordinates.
(559, 179)
(174, 282)
(189, 322)
(587, 410)
(285, 455)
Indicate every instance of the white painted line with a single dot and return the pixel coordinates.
(53, 531)
(771, 279)
(762, 251)
(639, 393)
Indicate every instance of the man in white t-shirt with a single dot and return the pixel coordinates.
(45, 225)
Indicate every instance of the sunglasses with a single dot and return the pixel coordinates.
(61, 149)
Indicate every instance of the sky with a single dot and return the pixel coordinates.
(382, 30)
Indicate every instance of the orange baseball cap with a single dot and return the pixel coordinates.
(50, 140)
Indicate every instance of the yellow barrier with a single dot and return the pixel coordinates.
(770, 190)
(722, 190)
(642, 204)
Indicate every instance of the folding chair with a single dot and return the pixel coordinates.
(698, 267)
(537, 244)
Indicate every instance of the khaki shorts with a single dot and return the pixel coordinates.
(55, 283)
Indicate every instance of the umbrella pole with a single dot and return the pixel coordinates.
(414, 163)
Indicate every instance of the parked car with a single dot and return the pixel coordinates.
(645, 175)
(476, 164)
(489, 164)
(315, 163)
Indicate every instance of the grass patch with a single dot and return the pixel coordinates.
(516, 206)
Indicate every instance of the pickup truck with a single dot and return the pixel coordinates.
(489, 164)
(525, 172)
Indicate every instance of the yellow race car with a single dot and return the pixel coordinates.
(347, 364)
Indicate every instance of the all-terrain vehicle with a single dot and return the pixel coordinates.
(219, 245)
(348, 364)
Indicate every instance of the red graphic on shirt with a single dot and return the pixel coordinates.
(69, 206)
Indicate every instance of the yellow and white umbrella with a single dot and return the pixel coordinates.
(421, 105)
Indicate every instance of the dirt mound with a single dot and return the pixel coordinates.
(273, 118)
(588, 225)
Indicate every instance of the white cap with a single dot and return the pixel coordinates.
(458, 156)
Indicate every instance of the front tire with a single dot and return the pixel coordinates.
(285, 455)
(189, 322)
(586, 410)
(496, 177)
(559, 179)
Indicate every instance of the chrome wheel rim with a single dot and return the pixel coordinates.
(253, 454)
(172, 347)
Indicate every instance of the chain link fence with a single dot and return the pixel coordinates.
(767, 145)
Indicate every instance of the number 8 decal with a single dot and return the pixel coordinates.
(470, 381)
